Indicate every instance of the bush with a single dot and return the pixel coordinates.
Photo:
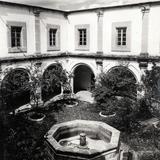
(115, 92)
(127, 111)
(150, 156)
(118, 82)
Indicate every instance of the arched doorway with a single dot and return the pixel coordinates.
(83, 78)
(124, 81)
(15, 88)
(51, 85)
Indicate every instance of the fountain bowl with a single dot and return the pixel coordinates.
(82, 140)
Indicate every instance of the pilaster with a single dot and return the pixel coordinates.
(100, 32)
(36, 12)
(145, 29)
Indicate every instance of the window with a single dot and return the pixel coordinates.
(82, 37)
(121, 36)
(16, 36)
(53, 37)
(17, 41)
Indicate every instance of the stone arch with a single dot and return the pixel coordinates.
(15, 88)
(84, 77)
(131, 68)
(50, 86)
(125, 74)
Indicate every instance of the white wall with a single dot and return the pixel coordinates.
(82, 18)
(67, 26)
(133, 15)
(19, 14)
(55, 19)
(154, 31)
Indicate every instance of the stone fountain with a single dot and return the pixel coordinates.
(82, 140)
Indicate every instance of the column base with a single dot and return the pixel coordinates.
(99, 52)
(144, 54)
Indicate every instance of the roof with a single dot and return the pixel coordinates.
(75, 5)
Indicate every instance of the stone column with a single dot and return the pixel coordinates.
(145, 26)
(100, 32)
(72, 82)
(36, 12)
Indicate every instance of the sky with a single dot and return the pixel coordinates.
(69, 5)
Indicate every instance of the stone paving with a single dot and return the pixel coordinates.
(85, 96)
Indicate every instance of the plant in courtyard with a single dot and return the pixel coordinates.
(119, 82)
(116, 93)
(151, 81)
(126, 115)
(53, 78)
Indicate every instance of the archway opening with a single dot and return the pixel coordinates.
(15, 89)
(123, 81)
(83, 78)
(51, 85)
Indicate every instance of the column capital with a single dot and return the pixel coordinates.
(36, 11)
(145, 8)
(99, 12)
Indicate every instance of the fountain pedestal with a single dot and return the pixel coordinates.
(82, 140)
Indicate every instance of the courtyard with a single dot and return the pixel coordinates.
(113, 100)
(24, 140)
(79, 80)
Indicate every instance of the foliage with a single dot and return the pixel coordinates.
(150, 156)
(151, 80)
(53, 78)
(14, 85)
(22, 85)
(119, 82)
(126, 115)
(116, 92)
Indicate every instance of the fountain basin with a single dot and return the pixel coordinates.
(82, 140)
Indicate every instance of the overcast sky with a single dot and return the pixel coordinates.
(75, 4)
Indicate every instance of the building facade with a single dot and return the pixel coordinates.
(85, 42)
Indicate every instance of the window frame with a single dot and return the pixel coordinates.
(115, 27)
(55, 47)
(23, 37)
(77, 37)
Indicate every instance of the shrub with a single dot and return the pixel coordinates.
(116, 91)
(119, 82)
(150, 156)
(127, 111)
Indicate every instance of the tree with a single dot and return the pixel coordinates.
(151, 80)
(53, 79)
(118, 82)
(116, 91)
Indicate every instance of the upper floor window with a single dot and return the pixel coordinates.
(82, 37)
(17, 41)
(16, 36)
(53, 37)
(121, 36)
